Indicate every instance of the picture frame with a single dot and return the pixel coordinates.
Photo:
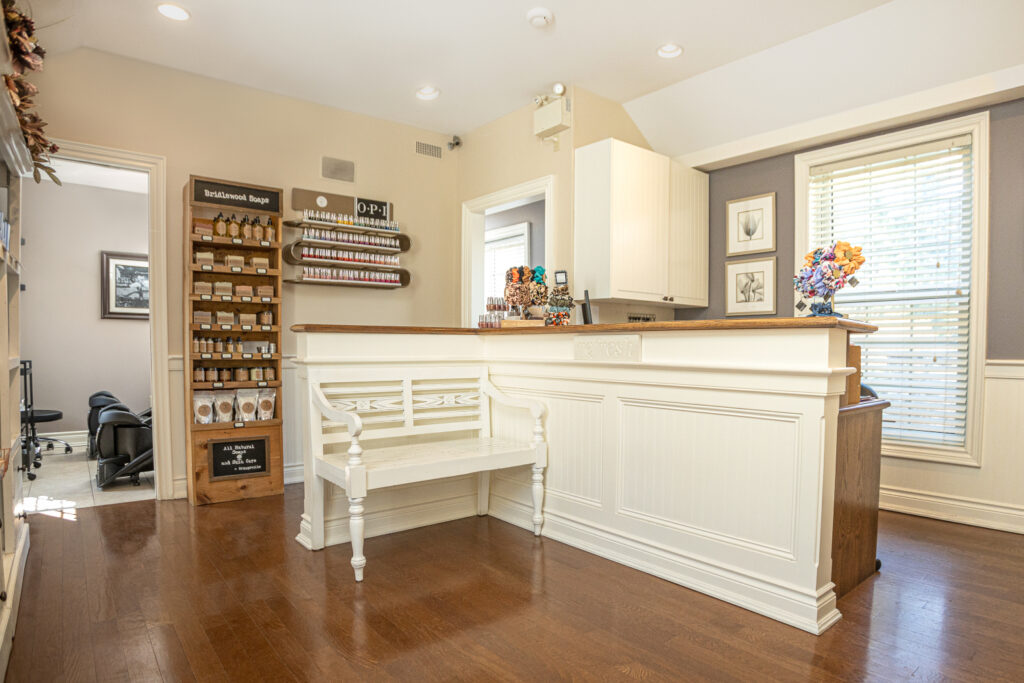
(750, 287)
(750, 225)
(124, 285)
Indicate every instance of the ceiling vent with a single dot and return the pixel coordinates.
(428, 150)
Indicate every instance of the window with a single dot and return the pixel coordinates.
(914, 209)
(504, 248)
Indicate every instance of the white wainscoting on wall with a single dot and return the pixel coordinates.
(990, 496)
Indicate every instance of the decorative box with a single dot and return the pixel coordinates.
(265, 290)
(246, 318)
(243, 290)
(259, 262)
(200, 317)
(204, 258)
(225, 318)
(223, 288)
(232, 261)
(202, 226)
(202, 287)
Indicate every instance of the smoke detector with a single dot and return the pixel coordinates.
(540, 17)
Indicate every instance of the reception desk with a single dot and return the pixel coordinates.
(703, 452)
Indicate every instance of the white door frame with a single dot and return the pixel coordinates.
(473, 214)
(156, 167)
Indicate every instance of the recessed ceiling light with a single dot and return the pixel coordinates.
(539, 17)
(669, 51)
(428, 92)
(173, 11)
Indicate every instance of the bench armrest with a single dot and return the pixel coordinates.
(355, 425)
(536, 408)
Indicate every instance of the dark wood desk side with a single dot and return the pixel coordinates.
(858, 473)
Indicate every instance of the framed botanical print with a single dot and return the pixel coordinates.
(751, 225)
(750, 287)
(124, 285)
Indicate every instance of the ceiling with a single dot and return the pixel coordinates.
(371, 56)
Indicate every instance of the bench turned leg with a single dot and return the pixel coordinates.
(356, 528)
(538, 499)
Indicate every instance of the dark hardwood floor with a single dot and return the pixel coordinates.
(149, 591)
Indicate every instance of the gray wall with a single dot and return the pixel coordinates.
(1006, 230)
(74, 351)
(532, 213)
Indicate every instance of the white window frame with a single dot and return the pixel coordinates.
(505, 232)
(976, 125)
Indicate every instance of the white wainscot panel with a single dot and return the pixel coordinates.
(729, 475)
(574, 431)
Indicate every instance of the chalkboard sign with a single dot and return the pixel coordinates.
(372, 208)
(239, 196)
(238, 459)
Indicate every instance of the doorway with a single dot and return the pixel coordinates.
(94, 262)
(500, 230)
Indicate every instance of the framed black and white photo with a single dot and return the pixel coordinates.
(124, 285)
(751, 225)
(750, 287)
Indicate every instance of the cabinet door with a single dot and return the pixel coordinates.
(639, 226)
(688, 237)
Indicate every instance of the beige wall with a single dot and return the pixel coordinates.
(209, 127)
(74, 352)
(505, 152)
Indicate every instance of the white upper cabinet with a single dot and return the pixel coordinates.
(640, 227)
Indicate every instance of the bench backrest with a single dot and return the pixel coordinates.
(396, 404)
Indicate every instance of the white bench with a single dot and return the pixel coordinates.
(411, 425)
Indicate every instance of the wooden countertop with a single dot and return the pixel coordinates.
(669, 325)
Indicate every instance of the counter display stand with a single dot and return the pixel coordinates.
(231, 460)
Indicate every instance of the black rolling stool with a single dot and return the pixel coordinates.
(31, 455)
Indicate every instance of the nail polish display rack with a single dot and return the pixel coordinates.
(347, 251)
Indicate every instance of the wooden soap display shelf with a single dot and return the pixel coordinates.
(345, 254)
(255, 323)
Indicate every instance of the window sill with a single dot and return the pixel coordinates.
(959, 457)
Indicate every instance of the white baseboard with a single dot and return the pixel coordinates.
(9, 610)
(812, 613)
(953, 508)
(180, 487)
(77, 439)
(395, 519)
(293, 474)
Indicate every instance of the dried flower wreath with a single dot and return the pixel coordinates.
(27, 55)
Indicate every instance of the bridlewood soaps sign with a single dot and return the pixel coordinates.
(237, 459)
(254, 199)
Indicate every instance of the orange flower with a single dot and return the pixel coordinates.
(848, 257)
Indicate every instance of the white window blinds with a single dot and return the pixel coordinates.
(912, 211)
(504, 248)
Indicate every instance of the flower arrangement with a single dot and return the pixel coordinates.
(826, 270)
(27, 55)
